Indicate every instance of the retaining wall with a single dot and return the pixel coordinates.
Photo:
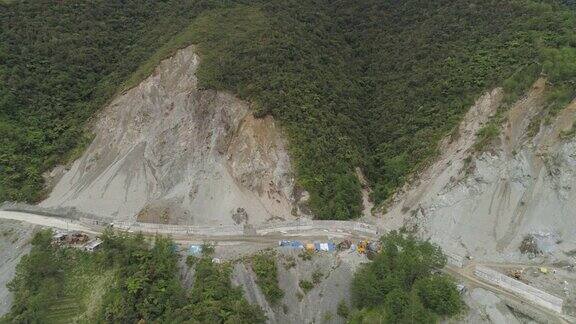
(528, 292)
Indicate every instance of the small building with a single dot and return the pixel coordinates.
(93, 245)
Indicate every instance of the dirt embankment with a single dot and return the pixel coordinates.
(169, 152)
(485, 204)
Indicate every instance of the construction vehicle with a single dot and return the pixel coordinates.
(362, 247)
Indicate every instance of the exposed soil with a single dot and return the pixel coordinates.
(168, 152)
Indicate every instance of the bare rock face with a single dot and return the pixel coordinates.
(486, 204)
(168, 152)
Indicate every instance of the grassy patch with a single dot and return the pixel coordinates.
(317, 277)
(568, 134)
(486, 135)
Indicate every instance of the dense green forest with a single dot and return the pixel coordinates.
(402, 284)
(373, 84)
(131, 280)
(376, 84)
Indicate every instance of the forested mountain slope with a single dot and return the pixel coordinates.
(370, 84)
(60, 61)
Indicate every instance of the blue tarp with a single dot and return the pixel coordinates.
(291, 244)
(195, 250)
(331, 246)
(297, 245)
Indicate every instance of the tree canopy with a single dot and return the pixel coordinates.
(130, 280)
(402, 284)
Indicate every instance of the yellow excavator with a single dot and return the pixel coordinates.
(362, 247)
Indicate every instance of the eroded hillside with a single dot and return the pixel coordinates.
(485, 204)
(169, 152)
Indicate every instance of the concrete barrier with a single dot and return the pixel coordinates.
(528, 292)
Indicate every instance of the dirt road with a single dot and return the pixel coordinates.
(210, 234)
(466, 273)
(54, 222)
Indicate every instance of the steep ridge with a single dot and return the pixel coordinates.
(485, 204)
(168, 152)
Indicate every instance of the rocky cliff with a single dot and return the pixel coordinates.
(169, 152)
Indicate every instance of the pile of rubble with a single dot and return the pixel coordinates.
(76, 240)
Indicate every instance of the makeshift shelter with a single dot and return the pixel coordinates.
(195, 250)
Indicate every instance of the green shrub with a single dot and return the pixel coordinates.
(264, 265)
(317, 277)
(486, 135)
(290, 262)
(439, 294)
(343, 309)
(191, 260)
(306, 255)
(208, 249)
(306, 285)
(400, 285)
